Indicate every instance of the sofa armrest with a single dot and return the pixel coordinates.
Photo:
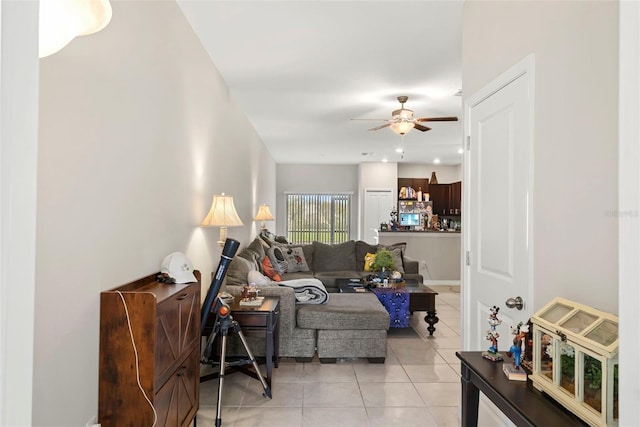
(287, 304)
(411, 266)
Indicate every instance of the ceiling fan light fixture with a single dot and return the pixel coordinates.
(401, 127)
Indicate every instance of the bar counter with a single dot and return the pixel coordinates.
(438, 252)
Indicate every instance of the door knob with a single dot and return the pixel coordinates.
(516, 302)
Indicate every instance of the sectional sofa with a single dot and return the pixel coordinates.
(348, 325)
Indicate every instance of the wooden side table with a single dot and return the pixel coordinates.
(264, 320)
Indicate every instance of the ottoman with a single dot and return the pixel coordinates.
(349, 325)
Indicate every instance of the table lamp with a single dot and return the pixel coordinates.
(264, 214)
(222, 214)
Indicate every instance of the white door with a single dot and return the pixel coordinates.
(378, 205)
(497, 223)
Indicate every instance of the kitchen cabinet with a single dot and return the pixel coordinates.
(439, 194)
(415, 183)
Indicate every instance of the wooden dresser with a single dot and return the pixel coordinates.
(165, 320)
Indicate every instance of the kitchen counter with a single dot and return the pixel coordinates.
(438, 253)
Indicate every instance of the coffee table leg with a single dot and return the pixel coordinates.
(431, 319)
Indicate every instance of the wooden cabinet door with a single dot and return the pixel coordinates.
(176, 401)
(421, 183)
(455, 197)
(439, 194)
(176, 330)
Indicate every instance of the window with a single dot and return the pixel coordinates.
(318, 217)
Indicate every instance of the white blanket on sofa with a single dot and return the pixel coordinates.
(307, 291)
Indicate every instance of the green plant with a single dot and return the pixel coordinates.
(383, 260)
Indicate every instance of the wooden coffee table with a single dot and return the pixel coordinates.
(421, 298)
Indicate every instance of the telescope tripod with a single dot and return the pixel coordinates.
(222, 325)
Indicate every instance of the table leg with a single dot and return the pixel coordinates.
(470, 397)
(431, 318)
(269, 355)
(276, 343)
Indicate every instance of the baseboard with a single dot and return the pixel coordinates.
(441, 282)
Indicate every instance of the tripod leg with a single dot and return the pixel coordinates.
(265, 386)
(221, 380)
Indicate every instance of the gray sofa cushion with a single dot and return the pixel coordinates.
(239, 268)
(345, 311)
(397, 250)
(334, 257)
(255, 251)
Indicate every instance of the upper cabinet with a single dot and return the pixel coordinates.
(446, 198)
(417, 184)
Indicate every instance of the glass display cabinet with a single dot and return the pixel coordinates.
(575, 359)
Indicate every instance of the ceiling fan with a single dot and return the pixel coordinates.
(402, 120)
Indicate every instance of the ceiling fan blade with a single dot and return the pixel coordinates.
(420, 127)
(380, 127)
(437, 119)
(377, 120)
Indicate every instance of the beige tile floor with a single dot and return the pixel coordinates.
(418, 385)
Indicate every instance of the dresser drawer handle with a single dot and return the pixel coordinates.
(183, 296)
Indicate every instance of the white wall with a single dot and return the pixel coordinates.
(444, 174)
(575, 133)
(137, 132)
(315, 179)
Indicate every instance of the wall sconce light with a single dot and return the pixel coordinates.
(222, 214)
(264, 214)
(62, 20)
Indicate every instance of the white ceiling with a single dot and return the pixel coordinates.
(300, 70)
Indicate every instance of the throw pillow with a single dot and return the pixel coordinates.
(257, 278)
(278, 260)
(363, 248)
(338, 257)
(238, 270)
(295, 260)
(269, 271)
(402, 247)
(369, 258)
(397, 260)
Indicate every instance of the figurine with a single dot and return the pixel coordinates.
(492, 335)
(394, 219)
(250, 292)
(520, 333)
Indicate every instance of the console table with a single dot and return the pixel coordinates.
(518, 400)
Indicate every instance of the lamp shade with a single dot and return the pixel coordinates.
(222, 213)
(62, 20)
(264, 214)
(401, 127)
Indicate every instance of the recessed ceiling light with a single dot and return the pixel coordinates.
(385, 160)
(436, 161)
(460, 151)
(399, 150)
(367, 154)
